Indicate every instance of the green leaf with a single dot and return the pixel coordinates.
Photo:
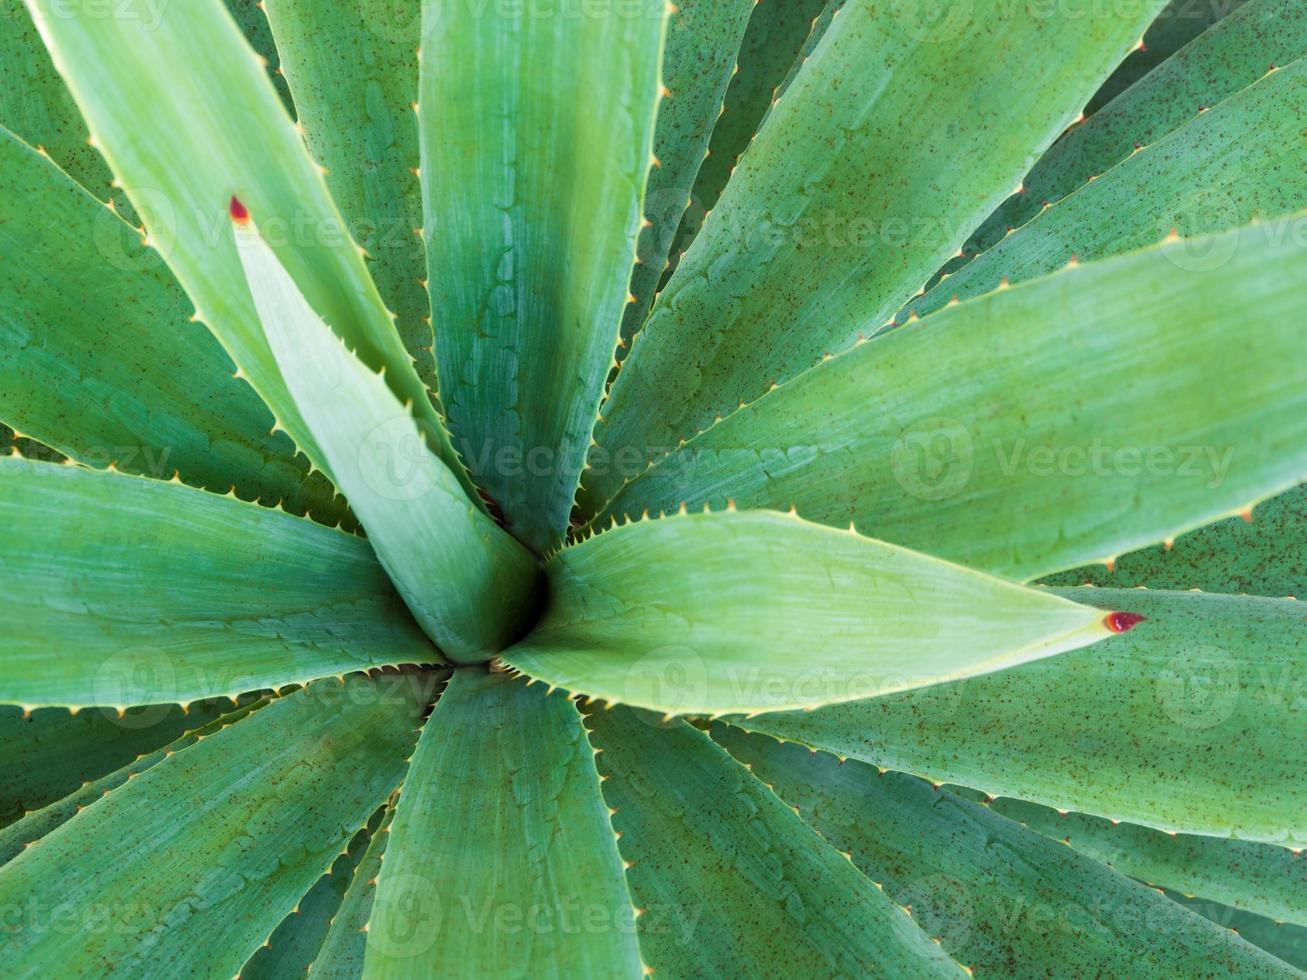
(124, 379)
(1190, 723)
(47, 754)
(1231, 56)
(344, 948)
(1288, 942)
(501, 831)
(536, 135)
(121, 591)
(786, 269)
(297, 942)
(470, 586)
(1177, 25)
(703, 39)
(187, 868)
(1261, 556)
(36, 105)
(772, 41)
(353, 67)
(729, 880)
(1261, 878)
(253, 21)
(1232, 164)
(186, 115)
(985, 887)
(1021, 460)
(726, 612)
(200, 721)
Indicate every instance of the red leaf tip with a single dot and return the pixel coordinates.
(239, 213)
(1122, 622)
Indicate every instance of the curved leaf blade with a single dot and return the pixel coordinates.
(344, 948)
(1261, 878)
(191, 865)
(1029, 462)
(1258, 553)
(727, 612)
(501, 829)
(983, 885)
(1239, 161)
(1178, 24)
(536, 135)
(122, 591)
(772, 42)
(298, 942)
(467, 582)
(202, 720)
(36, 105)
(47, 754)
(1287, 942)
(731, 881)
(184, 112)
(123, 380)
(785, 270)
(1230, 56)
(1189, 724)
(703, 39)
(353, 69)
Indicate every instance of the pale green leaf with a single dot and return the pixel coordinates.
(731, 881)
(984, 886)
(501, 859)
(471, 586)
(186, 869)
(536, 135)
(899, 136)
(1065, 421)
(121, 590)
(185, 113)
(711, 613)
(123, 379)
(1190, 723)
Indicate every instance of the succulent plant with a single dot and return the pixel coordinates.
(593, 488)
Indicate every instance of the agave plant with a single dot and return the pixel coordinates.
(597, 488)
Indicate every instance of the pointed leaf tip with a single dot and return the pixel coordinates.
(239, 213)
(1123, 622)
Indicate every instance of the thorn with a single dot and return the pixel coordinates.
(239, 213)
(1122, 622)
